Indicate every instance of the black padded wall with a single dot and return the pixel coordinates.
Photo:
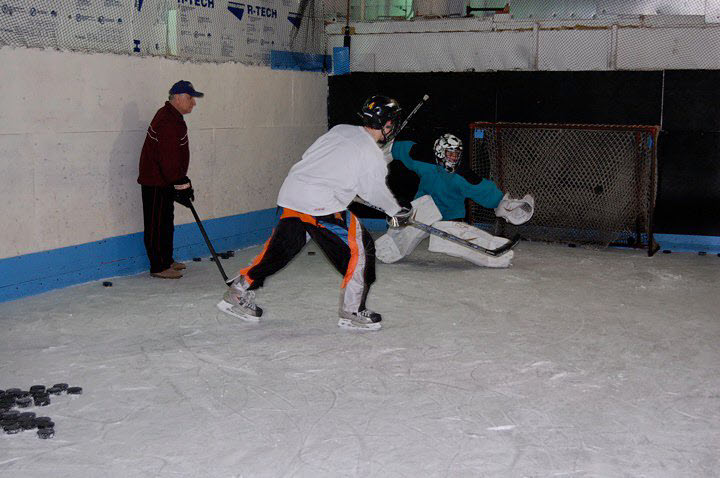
(685, 103)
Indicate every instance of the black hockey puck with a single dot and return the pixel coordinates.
(13, 392)
(42, 400)
(27, 424)
(37, 389)
(26, 416)
(107, 283)
(8, 421)
(54, 391)
(9, 415)
(39, 420)
(24, 402)
(74, 390)
(197, 259)
(701, 253)
(44, 424)
(7, 402)
(230, 253)
(12, 428)
(667, 251)
(311, 253)
(61, 386)
(46, 433)
(572, 245)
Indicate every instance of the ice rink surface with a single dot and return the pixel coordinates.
(572, 363)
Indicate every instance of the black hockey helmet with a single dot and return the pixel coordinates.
(378, 110)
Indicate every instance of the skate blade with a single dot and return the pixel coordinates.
(349, 324)
(227, 307)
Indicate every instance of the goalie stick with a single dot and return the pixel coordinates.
(498, 251)
(412, 113)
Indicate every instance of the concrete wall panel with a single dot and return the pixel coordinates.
(74, 124)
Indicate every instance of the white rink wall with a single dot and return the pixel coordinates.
(73, 124)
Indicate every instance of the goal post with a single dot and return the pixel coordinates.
(593, 184)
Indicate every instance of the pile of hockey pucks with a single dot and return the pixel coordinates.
(13, 421)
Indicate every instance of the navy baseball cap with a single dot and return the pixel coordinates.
(183, 86)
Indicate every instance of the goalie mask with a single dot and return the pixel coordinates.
(448, 151)
(377, 111)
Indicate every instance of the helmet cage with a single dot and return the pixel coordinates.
(444, 148)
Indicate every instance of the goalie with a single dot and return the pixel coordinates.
(440, 202)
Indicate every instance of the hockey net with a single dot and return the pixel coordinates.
(592, 184)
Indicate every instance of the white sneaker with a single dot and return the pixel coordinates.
(365, 319)
(240, 303)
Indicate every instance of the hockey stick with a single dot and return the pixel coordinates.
(207, 241)
(498, 251)
(412, 113)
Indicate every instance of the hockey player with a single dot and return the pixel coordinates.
(343, 163)
(440, 202)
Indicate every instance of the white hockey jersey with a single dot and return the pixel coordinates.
(344, 162)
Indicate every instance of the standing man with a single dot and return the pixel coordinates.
(343, 163)
(163, 178)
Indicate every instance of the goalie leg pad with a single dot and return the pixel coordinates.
(474, 235)
(399, 243)
(425, 210)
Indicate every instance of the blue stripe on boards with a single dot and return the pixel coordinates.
(37, 272)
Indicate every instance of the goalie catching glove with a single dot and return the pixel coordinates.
(516, 211)
(184, 193)
(402, 218)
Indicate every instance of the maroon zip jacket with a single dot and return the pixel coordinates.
(165, 154)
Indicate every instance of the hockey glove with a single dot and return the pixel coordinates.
(516, 211)
(184, 193)
(402, 218)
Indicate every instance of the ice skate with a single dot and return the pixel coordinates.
(240, 302)
(365, 319)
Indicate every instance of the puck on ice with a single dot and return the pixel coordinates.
(197, 259)
(230, 253)
(10, 415)
(54, 390)
(46, 433)
(702, 253)
(28, 424)
(44, 424)
(667, 251)
(42, 400)
(37, 389)
(74, 390)
(311, 253)
(61, 386)
(24, 402)
(107, 284)
(12, 428)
